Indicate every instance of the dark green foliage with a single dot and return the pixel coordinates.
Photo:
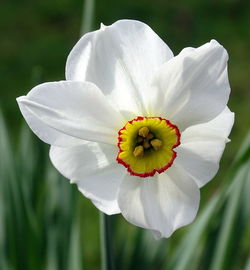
(45, 223)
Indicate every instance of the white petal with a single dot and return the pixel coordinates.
(94, 169)
(202, 147)
(162, 204)
(120, 59)
(63, 113)
(43, 131)
(193, 87)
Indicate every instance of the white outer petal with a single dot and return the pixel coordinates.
(64, 113)
(94, 169)
(192, 87)
(120, 59)
(46, 133)
(202, 146)
(162, 204)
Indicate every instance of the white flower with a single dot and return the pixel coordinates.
(137, 129)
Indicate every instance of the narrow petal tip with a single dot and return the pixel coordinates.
(20, 99)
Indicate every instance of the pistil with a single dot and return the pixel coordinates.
(146, 144)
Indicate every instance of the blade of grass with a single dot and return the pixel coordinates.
(247, 267)
(229, 220)
(74, 261)
(106, 242)
(88, 16)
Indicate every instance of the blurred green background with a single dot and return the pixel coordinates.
(45, 223)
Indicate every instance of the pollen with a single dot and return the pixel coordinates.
(157, 144)
(139, 151)
(143, 131)
(146, 145)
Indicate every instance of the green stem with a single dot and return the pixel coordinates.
(88, 16)
(106, 242)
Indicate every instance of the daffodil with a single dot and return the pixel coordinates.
(137, 129)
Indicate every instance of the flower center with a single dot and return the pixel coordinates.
(146, 145)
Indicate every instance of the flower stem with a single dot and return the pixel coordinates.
(106, 242)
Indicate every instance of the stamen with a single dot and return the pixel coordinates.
(146, 144)
(139, 151)
(150, 136)
(140, 139)
(143, 131)
(156, 143)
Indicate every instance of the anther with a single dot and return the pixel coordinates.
(143, 131)
(146, 144)
(156, 143)
(139, 151)
(150, 136)
(139, 139)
